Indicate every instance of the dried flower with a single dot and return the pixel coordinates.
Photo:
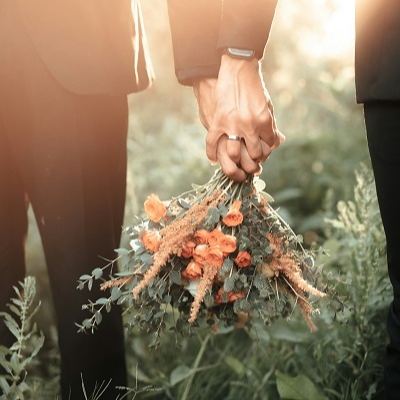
(154, 208)
(214, 256)
(225, 297)
(193, 271)
(213, 236)
(227, 244)
(188, 248)
(234, 217)
(151, 240)
(200, 236)
(243, 259)
(199, 253)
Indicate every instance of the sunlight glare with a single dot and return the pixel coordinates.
(337, 32)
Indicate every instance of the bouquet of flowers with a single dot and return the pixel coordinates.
(218, 255)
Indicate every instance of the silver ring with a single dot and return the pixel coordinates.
(234, 137)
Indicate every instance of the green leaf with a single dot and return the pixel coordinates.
(147, 259)
(297, 388)
(235, 364)
(184, 204)
(13, 330)
(122, 251)
(98, 317)
(115, 293)
(175, 277)
(179, 374)
(212, 217)
(102, 300)
(98, 273)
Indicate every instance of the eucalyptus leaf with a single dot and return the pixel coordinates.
(184, 204)
(97, 273)
(115, 293)
(175, 277)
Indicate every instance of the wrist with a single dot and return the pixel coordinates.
(238, 63)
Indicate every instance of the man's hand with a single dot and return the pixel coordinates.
(237, 104)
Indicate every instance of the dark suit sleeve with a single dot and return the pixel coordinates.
(201, 29)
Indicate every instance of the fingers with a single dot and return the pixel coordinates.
(212, 139)
(233, 148)
(234, 170)
(230, 167)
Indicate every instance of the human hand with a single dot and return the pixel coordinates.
(237, 105)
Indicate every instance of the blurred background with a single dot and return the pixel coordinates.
(308, 70)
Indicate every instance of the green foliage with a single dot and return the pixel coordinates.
(17, 359)
(344, 357)
(341, 361)
(297, 388)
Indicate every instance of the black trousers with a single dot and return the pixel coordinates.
(66, 155)
(383, 131)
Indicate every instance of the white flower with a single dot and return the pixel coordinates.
(192, 287)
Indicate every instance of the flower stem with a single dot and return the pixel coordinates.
(195, 367)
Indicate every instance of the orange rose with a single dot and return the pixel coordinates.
(214, 256)
(234, 217)
(213, 237)
(187, 250)
(193, 271)
(243, 259)
(151, 240)
(230, 296)
(227, 243)
(200, 236)
(155, 209)
(199, 253)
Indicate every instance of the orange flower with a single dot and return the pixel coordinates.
(151, 240)
(214, 256)
(200, 236)
(227, 243)
(193, 271)
(230, 296)
(199, 253)
(188, 248)
(243, 259)
(213, 237)
(234, 217)
(155, 209)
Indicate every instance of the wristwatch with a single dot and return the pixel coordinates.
(244, 54)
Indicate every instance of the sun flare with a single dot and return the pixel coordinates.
(337, 32)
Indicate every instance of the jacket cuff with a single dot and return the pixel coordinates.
(194, 30)
(246, 24)
(187, 75)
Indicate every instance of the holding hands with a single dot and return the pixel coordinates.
(238, 114)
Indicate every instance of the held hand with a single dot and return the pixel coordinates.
(237, 105)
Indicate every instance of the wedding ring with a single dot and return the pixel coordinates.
(234, 137)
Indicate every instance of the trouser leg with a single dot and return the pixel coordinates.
(13, 230)
(71, 154)
(383, 131)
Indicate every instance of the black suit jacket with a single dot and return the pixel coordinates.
(377, 58)
(90, 46)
